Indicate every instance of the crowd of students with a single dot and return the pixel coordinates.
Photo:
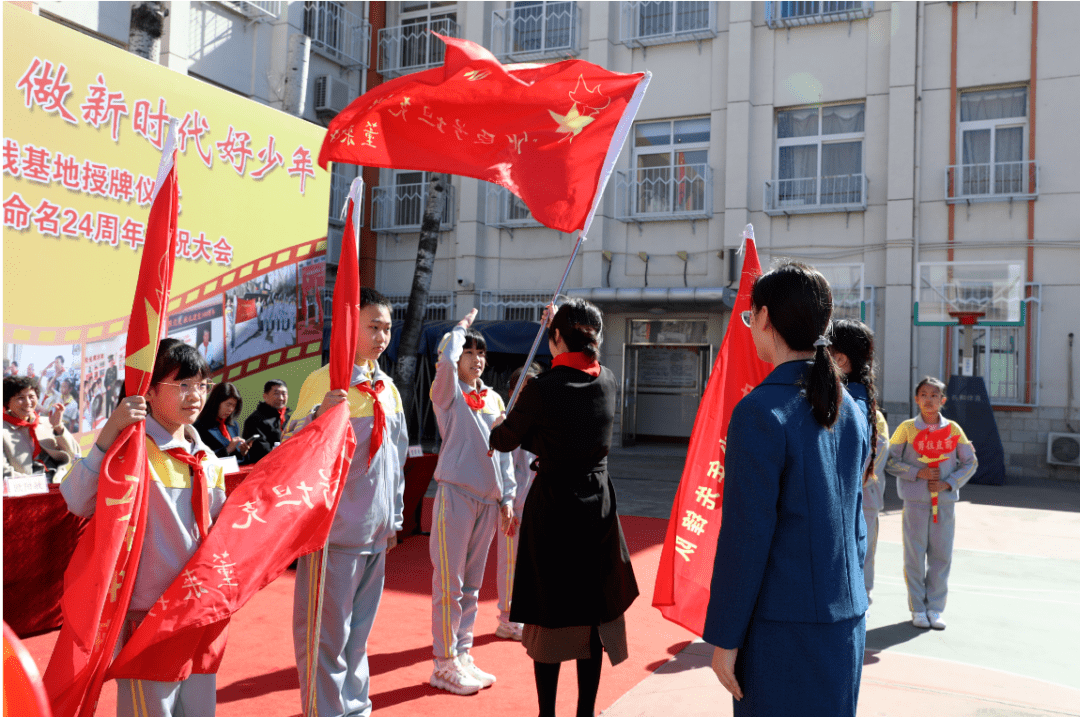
(794, 560)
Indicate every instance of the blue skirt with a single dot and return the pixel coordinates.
(788, 668)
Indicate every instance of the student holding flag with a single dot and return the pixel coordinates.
(787, 604)
(365, 527)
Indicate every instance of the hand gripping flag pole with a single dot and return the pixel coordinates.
(346, 311)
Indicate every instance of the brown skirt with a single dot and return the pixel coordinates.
(559, 644)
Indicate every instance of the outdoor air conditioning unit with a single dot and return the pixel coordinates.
(331, 95)
(1063, 449)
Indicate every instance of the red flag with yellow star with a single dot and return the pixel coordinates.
(101, 575)
(548, 133)
(684, 575)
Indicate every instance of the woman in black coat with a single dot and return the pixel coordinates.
(218, 425)
(573, 579)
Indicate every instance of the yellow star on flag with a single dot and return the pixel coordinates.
(572, 122)
(143, 359)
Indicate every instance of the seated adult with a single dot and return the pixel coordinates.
(218, 425)
(266, 424)
(32, 445)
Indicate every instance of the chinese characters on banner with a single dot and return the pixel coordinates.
(684, 574)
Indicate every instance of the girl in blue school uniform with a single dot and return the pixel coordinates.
(787, 606)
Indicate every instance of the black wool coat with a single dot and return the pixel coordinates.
(265, 421)
(573, 566)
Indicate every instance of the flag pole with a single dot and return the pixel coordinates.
(356, 195)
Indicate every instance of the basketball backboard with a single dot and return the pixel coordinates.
(846, 282)
(946, 290)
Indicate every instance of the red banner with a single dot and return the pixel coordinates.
(246, 310)
(684, 574)
(101, 575)
(545, 132)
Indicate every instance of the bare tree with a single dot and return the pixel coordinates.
(418, 298)
(147, 25)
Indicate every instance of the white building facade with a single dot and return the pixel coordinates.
(870, 139)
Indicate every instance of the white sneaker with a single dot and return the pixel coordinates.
(919, 620)
(448, 675)
(509, 630)
(485, 679)
(936, 620)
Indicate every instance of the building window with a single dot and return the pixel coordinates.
(819, 161)
(793, 14)
(506, 210)
(991, 131)
(512, 306)
(399, 207)
(336, 32)
(999, 356)
(409, 46)
(656, 22)
(341, 178)
(671, 178)
(440, 306)
(536, 29)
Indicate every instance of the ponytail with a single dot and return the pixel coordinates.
(823, 388)
(855, 340)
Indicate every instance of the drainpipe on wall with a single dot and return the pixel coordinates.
(297, 62)
(920, 58)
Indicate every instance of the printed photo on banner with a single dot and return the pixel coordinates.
(55, 368)
(262, 315)
(103, 380)
(203, 327)
(315, 300)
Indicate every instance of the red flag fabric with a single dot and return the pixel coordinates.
(101, 575)
(684, 574)
(283, 509)
(548, 133)
(246, 310)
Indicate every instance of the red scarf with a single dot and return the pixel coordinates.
(200, 495)
(378, 415)
(32, 425)
(475, 398)
(281, 414)
(578, 360)
(224, 430)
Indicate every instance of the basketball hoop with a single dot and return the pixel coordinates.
(967, 318)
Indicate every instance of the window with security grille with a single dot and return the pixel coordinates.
(992, 127)
(671, 161)
(819, 155)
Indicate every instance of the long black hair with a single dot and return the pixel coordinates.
(800, 307)
(221, 393)
(855, 340)
(581, 326)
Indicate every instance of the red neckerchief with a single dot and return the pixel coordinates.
(475, 398)
(578, 360)
(281, 414)
(200, 496)
(224, 430)
(378, 415)
(27, 423)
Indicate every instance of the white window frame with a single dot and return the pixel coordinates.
(633, 17)
(957, 182)
(437, 16)
(815, 13)
(338, 33)
(505, 24)
(628, 188)
(774, 205)
(386, 214)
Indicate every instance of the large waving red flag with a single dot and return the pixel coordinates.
(548, 133)
(101, 575)
(684, 575)
(282, 510)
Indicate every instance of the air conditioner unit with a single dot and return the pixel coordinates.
(1063, 449)
(331, 94)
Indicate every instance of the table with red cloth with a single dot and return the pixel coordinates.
(40, 536)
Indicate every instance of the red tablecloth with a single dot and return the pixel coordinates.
(39, 537)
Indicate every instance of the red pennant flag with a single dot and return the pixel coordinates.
(101, 575)
(684, 575)
(548, 133)
(283, 509)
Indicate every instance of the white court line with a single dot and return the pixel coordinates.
(972, 664)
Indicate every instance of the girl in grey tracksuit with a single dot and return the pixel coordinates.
(474, 490)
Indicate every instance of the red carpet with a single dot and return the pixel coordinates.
(258, 675)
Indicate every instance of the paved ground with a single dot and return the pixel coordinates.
(1012, 646)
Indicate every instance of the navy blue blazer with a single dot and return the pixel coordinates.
(793, 539)
(214, 439)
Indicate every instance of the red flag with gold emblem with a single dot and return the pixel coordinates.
(684, 575)
(101, 575)
(283, 509)
(548, 133)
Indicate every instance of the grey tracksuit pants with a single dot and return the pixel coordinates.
(928, 554)
(194, 697)
(871, 517)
